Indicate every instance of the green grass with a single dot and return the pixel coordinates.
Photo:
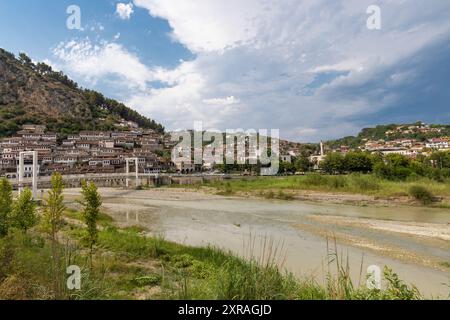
(103, 218)
(353, 184)
(26, 269)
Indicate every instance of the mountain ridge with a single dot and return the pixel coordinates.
(35, 93)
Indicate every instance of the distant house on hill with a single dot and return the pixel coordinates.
(438, 143)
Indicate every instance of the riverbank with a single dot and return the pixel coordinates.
(129, 264)
(186, 216)
(349, 189)
(182, 244)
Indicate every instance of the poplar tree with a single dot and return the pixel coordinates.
(91, 211)
(53, 209)
(6, 201)
(24, 214)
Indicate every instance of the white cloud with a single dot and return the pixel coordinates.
(209, 25)
(343, 66)
(124, 10)
(94, 61)
(222, 101)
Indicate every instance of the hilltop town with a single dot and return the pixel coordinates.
(101, 151)
(409, 140)
(85, 152)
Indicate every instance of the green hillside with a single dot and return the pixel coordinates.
(35, 93)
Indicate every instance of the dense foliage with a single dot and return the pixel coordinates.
(391, 167)
(104, 106)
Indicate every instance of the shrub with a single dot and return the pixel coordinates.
(398, 289)
(421, 194)
(391, 172)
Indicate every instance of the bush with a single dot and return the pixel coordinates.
(391, 172)
(421, 194)
(398, 289)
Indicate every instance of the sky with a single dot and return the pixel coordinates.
(312, 69)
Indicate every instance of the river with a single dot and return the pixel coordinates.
(415, 242)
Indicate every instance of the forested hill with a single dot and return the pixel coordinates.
(34, 93)
(390, 132)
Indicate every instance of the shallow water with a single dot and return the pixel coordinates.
(244, 226)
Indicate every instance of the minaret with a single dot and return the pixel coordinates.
(322, 153)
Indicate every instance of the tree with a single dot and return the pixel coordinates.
(303, 164)
(397, 160)
(25, 60)
(43, 68)
(333, 163)
(395, 167)
(286, 167)
(53, 209)
(441, 159)
(5, 206)
(358, 162)
(91, 202)
(24, 214)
